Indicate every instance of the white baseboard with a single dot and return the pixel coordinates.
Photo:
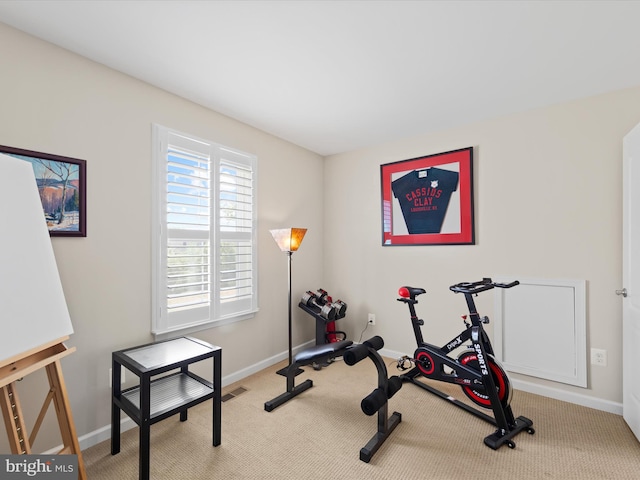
(256, 367)
(104, 433)
(571, 397)
(550, 392)
(97, 436)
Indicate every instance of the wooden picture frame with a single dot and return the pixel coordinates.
(429, 200)
(62, 187)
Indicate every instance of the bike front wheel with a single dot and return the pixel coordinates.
(480, 397)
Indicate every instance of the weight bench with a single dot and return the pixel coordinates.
(311, 355)
(376, 401)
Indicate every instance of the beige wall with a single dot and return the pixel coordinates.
(548, 204)
(57, 102)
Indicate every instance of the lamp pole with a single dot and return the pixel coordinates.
(290, 254)
(283, 371)
(289, 239)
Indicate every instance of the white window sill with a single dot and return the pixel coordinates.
(180, 331)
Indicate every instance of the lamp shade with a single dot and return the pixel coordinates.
(288, 239)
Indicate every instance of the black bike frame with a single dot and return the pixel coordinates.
(441, 353)
(478, 379)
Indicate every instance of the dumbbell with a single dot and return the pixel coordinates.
(341, 308)
(323, 298)
(327, 311)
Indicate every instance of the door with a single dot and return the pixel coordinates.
(631, 280)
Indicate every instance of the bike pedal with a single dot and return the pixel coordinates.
(402, 361)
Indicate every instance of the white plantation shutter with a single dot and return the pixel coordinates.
(204, 242)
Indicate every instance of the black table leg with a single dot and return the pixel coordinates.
(115, 410)
(145, 428)
(217, 398)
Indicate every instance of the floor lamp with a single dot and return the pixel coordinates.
(289, 239)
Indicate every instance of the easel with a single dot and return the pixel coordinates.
(15, 368)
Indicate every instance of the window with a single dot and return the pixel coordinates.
(204, 234)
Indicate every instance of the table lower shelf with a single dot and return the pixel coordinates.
(168, 395)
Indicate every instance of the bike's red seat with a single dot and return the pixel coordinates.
(410, 292)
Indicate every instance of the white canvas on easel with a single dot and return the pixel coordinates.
(33, 310)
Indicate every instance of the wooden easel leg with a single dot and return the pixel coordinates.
(63, 412)
(14, 420)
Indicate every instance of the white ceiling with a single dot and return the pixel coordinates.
(334, 76)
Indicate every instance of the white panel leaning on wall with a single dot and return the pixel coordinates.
(543, 314)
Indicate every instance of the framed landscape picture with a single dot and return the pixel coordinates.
(62, 187)
(428, 200)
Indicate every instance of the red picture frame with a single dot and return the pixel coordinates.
(429, 200)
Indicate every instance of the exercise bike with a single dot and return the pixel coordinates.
(475, 369)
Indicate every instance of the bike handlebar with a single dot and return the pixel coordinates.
(480, 286)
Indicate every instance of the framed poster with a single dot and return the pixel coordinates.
(62, 188)
(429, 200)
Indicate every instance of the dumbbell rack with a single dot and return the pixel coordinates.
(321, 322)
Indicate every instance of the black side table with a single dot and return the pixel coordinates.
(156, 399)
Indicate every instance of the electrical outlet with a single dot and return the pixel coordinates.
(121, 376)
(371, 319)
(598, 357)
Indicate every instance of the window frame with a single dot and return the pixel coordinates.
(164, 324)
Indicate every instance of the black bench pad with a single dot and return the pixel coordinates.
(319, 351)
